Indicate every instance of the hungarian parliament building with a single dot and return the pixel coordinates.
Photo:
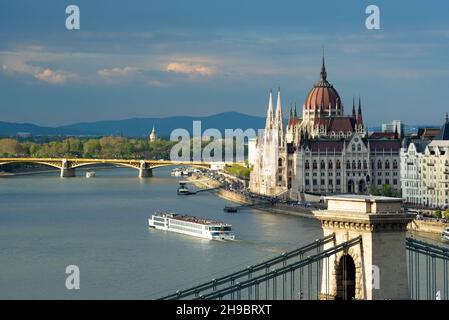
(322, 150)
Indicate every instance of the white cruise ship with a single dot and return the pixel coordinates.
(193, 226)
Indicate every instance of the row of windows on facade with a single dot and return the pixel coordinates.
(433, 161)
(435, 177)
(437, 193)
(338, 182)
(355, 165)
(330, 174)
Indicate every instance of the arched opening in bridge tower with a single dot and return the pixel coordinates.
(346, 278)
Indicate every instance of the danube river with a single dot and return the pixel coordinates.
(100, 225)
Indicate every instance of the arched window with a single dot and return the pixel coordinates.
(372, 164)
(322, 165)
(365, 165)
(348, 165)
(338, 164)
(280, 162)
(387, 164)
(395, 164)
(359, 147)
(353, 164)
(353, 147)
(379, 164)
(359, 165)
(314, 166)
(307, 165)
(329, 165)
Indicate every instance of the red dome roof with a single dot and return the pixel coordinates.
(323, 94)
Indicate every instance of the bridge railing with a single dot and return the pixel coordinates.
(274, 284)
(249, 272)
(428, 270)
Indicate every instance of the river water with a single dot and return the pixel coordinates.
(100, 225)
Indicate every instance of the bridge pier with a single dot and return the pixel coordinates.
(145, 173)
(67, 172)
(377, 268)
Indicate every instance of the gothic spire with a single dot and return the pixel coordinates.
(270, 113)
(353, 108)
(359, 115)
(323, 72)
(278, 119)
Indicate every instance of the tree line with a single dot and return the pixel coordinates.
(73, 147)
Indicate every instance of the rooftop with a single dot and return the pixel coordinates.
(363, 198)
(365, 204)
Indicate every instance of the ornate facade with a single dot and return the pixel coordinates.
(425, 170)
(324, 151)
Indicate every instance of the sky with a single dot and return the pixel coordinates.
(133, 59)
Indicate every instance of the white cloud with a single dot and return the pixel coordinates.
(190, 69)
(40, 73)
(118, 73)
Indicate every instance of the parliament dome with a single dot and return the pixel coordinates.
(323, 94)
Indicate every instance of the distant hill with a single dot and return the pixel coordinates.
(139, 127)
(10, 129)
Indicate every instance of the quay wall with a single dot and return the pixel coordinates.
(205, 182)
(434, 227)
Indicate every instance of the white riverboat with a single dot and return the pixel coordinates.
(90, 174)
(193, 226)
(445, 234)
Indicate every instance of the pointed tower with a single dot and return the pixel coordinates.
(153, 136)
(353, 108)
(359, 117)
(270, 114)
(323, 73)
(278, 121)
(290, 115)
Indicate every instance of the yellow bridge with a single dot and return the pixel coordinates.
(68, 165)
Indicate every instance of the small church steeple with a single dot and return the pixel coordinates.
(153, 136)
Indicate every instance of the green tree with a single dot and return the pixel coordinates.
(446, 214)
(437, 214)
(91, 148)
(239, 171)
(374, 190)
(11, 147)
